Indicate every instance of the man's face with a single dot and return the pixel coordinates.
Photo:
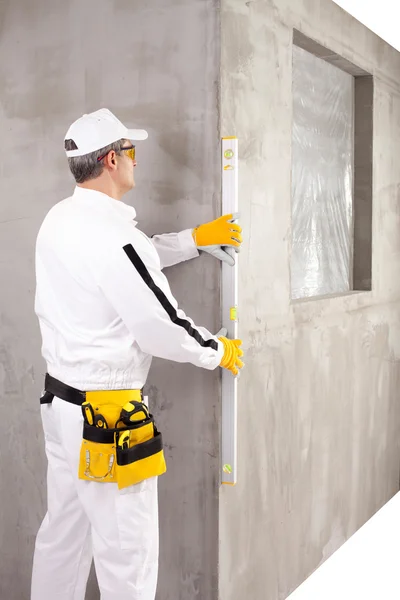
(127, 164)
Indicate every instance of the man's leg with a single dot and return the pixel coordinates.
(125, 540)
(124, 523)
(63, 551)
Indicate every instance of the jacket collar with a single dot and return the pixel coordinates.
(93, 196)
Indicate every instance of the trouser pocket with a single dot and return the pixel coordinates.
(136, 511)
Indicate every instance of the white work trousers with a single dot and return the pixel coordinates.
(119, 528)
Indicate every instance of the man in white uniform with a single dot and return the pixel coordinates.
(105, 308)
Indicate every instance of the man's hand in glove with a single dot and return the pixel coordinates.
(215, 237)
(232, 354)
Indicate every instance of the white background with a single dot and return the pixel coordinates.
(366, 567)
(379, 15)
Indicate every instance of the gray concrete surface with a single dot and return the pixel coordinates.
(155, 62)
(319, 410)
(363, 182)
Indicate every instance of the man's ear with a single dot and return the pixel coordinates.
(111, 160)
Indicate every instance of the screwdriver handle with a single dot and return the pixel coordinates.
(88, 413)
(123, 440)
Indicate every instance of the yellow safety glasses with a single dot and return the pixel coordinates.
(130, 151)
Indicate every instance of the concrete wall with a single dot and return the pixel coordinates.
(319, 410)
(156, 63)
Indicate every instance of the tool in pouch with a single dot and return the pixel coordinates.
(91, 418)
(121, 443)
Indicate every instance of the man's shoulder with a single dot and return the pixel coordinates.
(127, 232)
(58, 208)
(53, 216)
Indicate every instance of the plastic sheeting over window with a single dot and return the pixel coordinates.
(322, 177)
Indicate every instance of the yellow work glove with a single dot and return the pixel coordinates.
(215, 237)
(232, 353)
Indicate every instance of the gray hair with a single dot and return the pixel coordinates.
(87, 167)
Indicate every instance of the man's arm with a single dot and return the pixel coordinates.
(173, 248)
(214, 238)
(131, 279)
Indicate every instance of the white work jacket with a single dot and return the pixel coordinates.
(104, 305)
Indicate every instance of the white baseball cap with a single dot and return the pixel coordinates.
(99, 129)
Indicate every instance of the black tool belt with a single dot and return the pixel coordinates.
(54, 387)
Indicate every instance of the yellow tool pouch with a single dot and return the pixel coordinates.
(143, 458)
(124, 455)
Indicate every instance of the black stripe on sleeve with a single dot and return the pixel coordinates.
(163, 300)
